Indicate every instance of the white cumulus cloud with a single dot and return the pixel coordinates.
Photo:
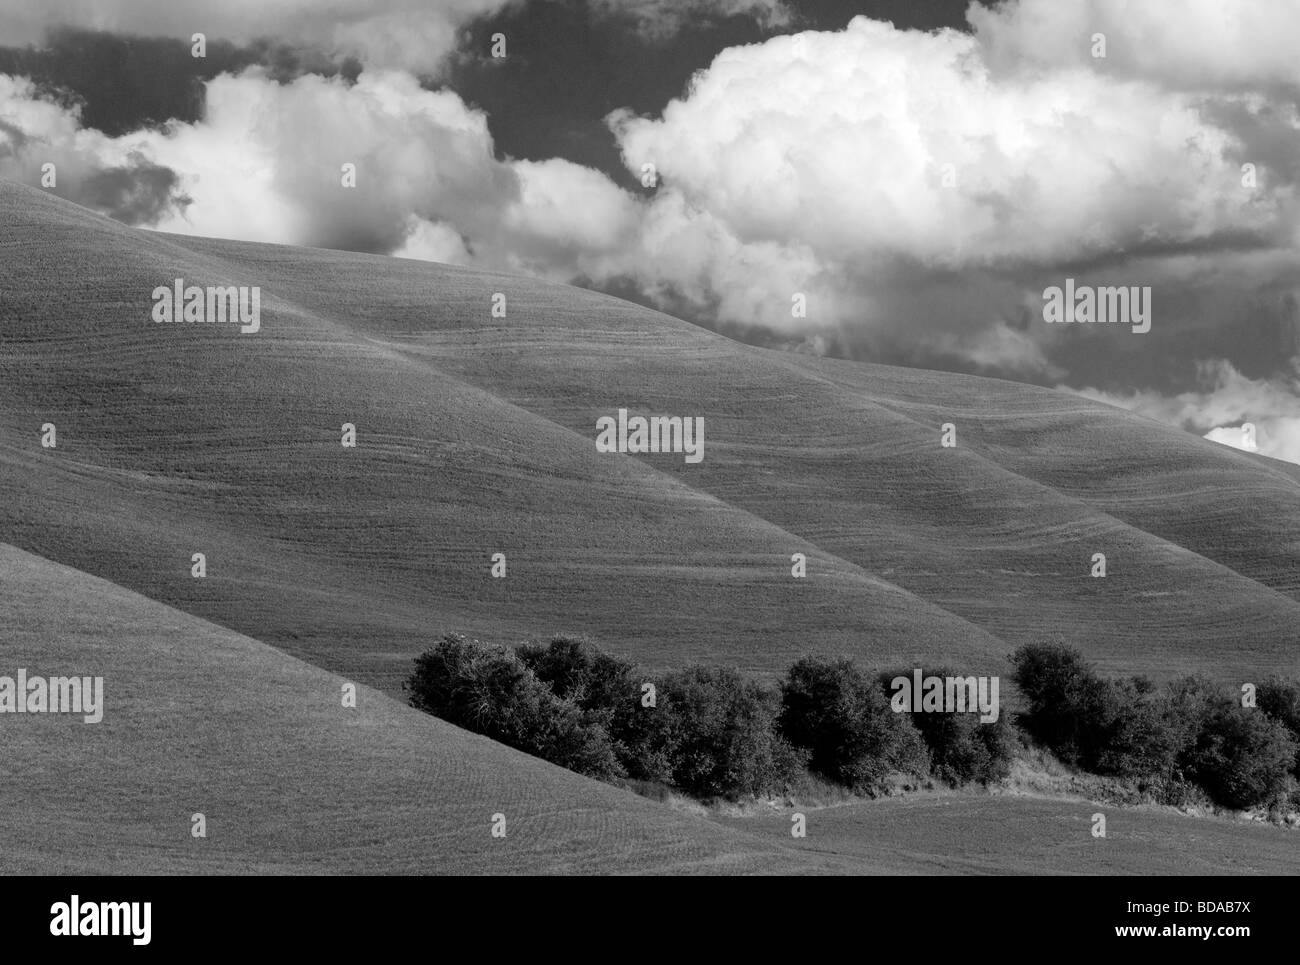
(1190, 44)
(870, 147)
(917, 191)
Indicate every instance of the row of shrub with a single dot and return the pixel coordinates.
(707, 731)
(711, 732)
(1168, 739)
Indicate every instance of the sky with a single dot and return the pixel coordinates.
(920, 172)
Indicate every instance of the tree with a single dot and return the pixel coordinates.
(839, 715)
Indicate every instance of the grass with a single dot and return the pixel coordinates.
(201, 719)
(475, 437)
(969, 833)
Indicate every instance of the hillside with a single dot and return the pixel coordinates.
(200, 719)
(475, 436)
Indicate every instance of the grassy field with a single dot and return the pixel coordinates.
(961, 833)
(201, 719)
(476, 436)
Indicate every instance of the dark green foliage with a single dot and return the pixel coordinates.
(1280, 700)
(725, 738)
(1241, 756)
(838, 714)
(491, 691)
(1193, 730)
(1066, 700)
(962, 749)
(609, 692)
(1134, 735)
(713, 733)
(1190, 701)
(577, 671)
(1119, 727)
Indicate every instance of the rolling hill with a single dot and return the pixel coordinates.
(475, 436)
(198, 719)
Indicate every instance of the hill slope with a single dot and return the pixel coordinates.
(475, 436)
(198, 719)
(201, 719)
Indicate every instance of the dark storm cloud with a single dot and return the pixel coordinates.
(139, 193)
(1266, 138)
(1238, 309)
(567, 70)
(904, 14)
(14, 139)
(123, 83)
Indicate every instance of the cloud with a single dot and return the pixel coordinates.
(414, 35)
(111, 175)
(844, 140)
(1224, 402)
(1239, 437)
(919, 196)
(123, 82)
(869, 166)
(427, 181)
(917, 191)
(660, 19)
(267, 163)
(1187, 44)
(137, 193)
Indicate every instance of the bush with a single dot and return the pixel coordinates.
(645, 738)
(1193, 731)
(1067, 701)
(713, 733)
(840, 717)
(962, 749)
(491, 691)
(724, 737)
(575, 670)
(1118, 727)
(608, 691)
(1190, 702)
(1280, 700)
(1241, 756)
(1135, 734)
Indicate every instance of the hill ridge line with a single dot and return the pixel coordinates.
(398, 351)
(882, 494)
(662, 475)
(222, 267)
(387, 713)
(1077, 501)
